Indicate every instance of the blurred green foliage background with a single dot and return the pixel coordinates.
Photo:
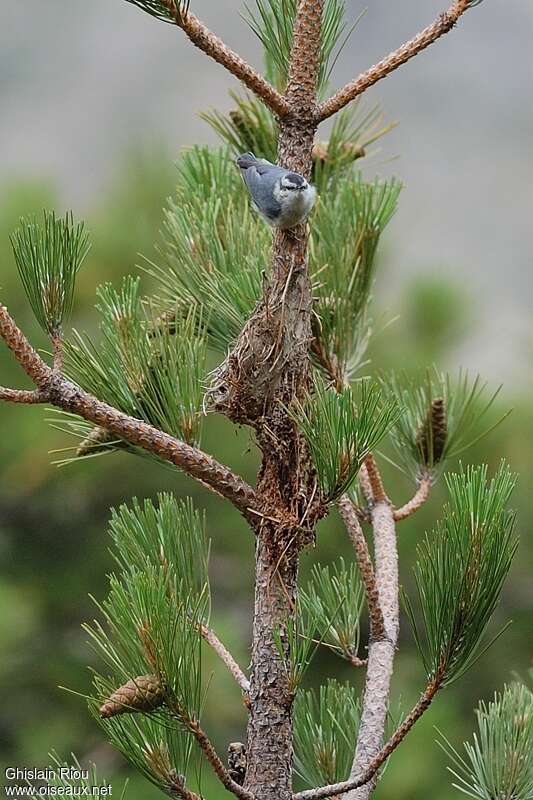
(54, 544)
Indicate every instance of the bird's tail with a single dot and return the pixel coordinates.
(246, 161)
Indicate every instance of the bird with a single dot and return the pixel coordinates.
(281, 197)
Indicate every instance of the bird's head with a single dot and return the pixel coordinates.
(292, 182)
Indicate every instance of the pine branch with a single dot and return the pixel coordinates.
(363, 780)
(416, 502)
(223, 653)
(482, 507)
(374, 479)
(178, 13)
(381, 651)
(23, 396)
(182, 791)
(366, 568)
(216, 763)
(60, 392)
(442, 25)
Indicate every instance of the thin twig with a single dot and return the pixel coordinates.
(374, 479)
(370, 772)
(57, 345)
(214, 759)
(180, 790)
(59, 391)
(366, 568)
(24, 396)
(223, 653)
(215, 48)
(417, 501)
(443, 24)
(366, 488)
(357, 662)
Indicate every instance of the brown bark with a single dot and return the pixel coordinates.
(269, 749)
(417, 501)
(216, 762)
(22, 396)
(366, 568)
(268, 369)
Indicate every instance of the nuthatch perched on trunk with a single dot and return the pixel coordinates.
(283, 198)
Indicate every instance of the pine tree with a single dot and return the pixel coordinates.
(288, 317)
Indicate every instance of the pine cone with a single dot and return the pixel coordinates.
(237, 762)
(433, 433)
(144, 693)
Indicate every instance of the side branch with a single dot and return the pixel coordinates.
(23, 396)
(366, 568)
(59, 391)
(417, 501)
(178, 789)
(225, 656)
(381, 651)
(216, 49)
(364, 778)
(216, 763)
(443, 24)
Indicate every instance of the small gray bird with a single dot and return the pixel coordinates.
(283, 198)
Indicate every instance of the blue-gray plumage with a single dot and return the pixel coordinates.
(283, 198)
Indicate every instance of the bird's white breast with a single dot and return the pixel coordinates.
(295, 206)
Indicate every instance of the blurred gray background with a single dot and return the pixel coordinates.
(81, 81)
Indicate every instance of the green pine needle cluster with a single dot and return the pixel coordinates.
(334, 597)
(341, 429)
(151, 620)
(297, 642)
(498, 763)
(48, 256)
(466, 404)
(325, 733)
(171, 534)
(353, 131)
(215, 249)
(272, 21)
(249, 127)
(149, 370)
(166, 10)
(346, 231)
(460, 570)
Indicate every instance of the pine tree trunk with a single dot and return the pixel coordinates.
(268, 369)
(269, 772)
